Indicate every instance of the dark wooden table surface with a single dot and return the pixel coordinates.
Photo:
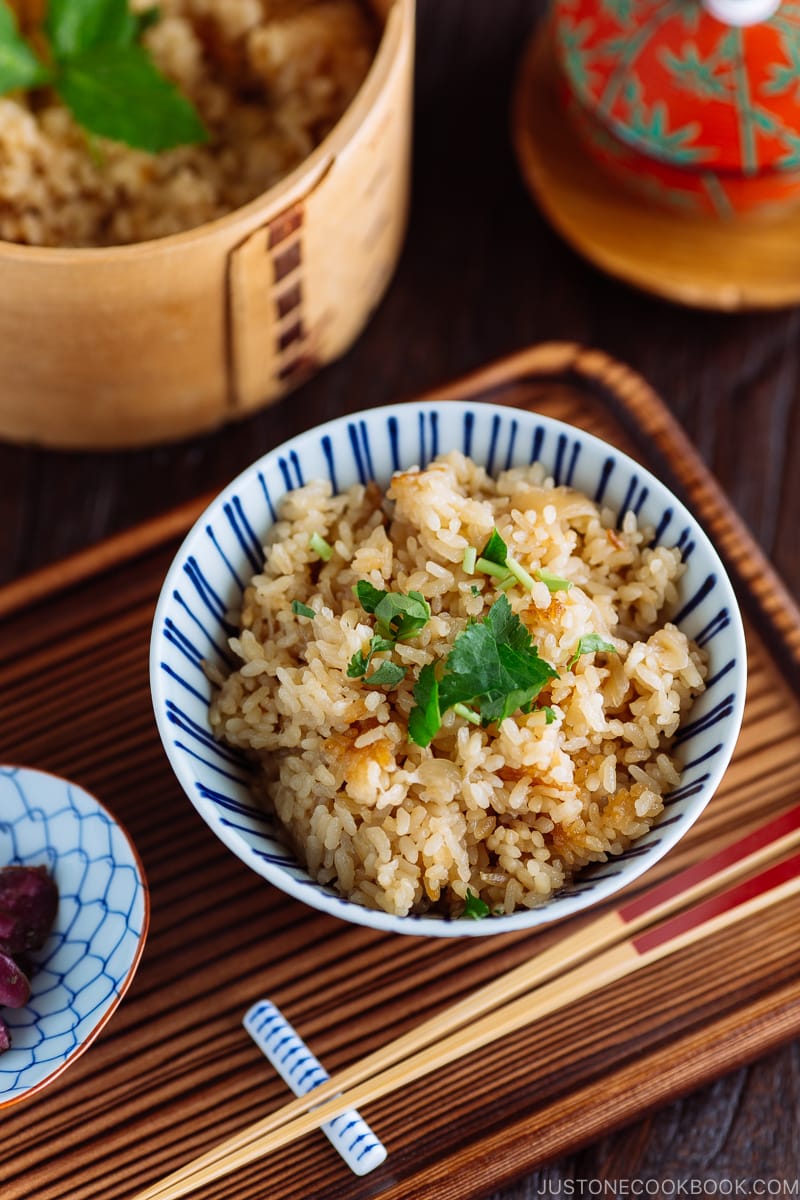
(482, 275)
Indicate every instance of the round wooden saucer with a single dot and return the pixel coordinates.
(733, 266)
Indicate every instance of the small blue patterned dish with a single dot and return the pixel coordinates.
(88, 961)
(223, 550)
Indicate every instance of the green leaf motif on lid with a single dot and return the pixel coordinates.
(705, 77)
(577, 55)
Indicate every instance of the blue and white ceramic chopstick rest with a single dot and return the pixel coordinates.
(297, 1066)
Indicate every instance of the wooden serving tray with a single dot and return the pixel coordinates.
(174, 1072)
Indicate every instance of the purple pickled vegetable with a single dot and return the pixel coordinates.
(15, 989)
(28, 904)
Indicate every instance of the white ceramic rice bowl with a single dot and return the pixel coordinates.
(223, 550)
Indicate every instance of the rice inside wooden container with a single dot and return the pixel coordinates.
(139, 344)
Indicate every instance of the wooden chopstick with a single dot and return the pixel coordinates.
(616, 951)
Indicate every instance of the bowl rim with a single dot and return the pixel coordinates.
(33, 773)
(299, 183)
(524, 919)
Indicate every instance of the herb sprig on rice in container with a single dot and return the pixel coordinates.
(127, 120)
(462, 692)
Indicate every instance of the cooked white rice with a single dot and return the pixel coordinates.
(508, 812)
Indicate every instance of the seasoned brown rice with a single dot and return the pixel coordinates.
(269, 78)
(508, 812)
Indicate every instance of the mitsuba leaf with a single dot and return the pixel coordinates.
(302, 610)
(400, 616)
(116, 92)
(19, 66)
(369, 597)
(359, 663)
(144, 20)
(474, 907)
(495, 550)
(388, 674)
(589, 643)
(425, 718)
(493, 666)
(75, 26)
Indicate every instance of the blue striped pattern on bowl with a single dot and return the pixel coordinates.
(90, 957)
(223, 550)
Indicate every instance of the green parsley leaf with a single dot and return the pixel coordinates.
(396, 615)
(400, 616)
(588, 644)
(145, 20)
(425, 718)
(388, 674)
(302, 610)
(549, 715)
(493, 667)
(369, 597)
(359, 663)
(476, 591)
(117, 92)
(495, 550)
(554, 582)
(19, 66)
(474, 907)
(74, 26)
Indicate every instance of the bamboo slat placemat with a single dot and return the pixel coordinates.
(174, 1071)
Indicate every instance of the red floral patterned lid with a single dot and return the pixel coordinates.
(681, 85)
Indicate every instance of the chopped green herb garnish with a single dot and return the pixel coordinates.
(388, 674)
(549, 715)
(474, 907)
(476, 591)
(492, 568)
(97, 67)
(302, 610)
(588, 644)
(369, 597)
(495, 560)
(425, 718)
(519, 573)
(493, 667)
(554, 583)
(19, 66)
(396, 615)
(400, 616)
(468, 561)
(320, 547)
(468, 714)
(359, 663)
(495, 550)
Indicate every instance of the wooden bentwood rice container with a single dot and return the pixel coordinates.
(139, 344)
